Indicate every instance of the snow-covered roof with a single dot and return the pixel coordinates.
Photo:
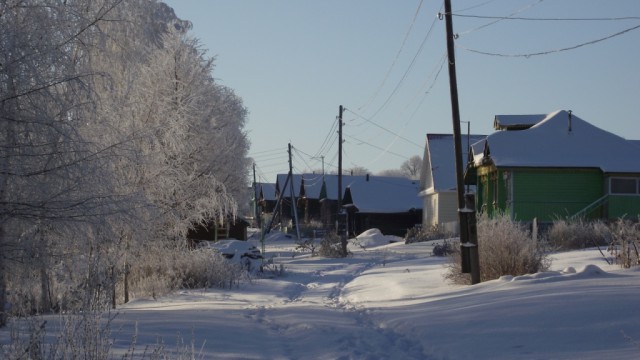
(561, 139)
(516, 122)
(281, 179)
(268, 191)
(439, 160)
(383, 194)
(331, 184)
(311, 184)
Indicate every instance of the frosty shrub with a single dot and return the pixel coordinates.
(312, 229)
(625, 243)
(506, 248)
(164, 269)
(330, 246)
(307, 245)
(86, 336)
(419, 234)
(578, 234)
(444, 248)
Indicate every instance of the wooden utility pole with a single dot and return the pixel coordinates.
(294, 207)
(340, 110)
(343, 237)
(466, 207)
(256, 204)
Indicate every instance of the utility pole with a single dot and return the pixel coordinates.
(340, 110)
(294, 207)
(466, 203)
(343, 237)
(256, 204)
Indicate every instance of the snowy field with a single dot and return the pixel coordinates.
(390, 301)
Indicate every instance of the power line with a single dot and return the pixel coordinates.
(547, 52)
(383, 128)
(362, 142)
(393, 64)
(477, 6)
(326, 139)
(300, 158)
(406, 73)
(501, 18)
(265, 151)
(548, 19)
(433, 77)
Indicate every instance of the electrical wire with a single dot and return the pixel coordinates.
(326, 139)
(299, 153)
(362, 142)
(265, 151)
(433, 77)
(383, 128)
(547, 52)
(500, 19)
(476, 6)
(548, 19)
(395, 60)
(406, 73)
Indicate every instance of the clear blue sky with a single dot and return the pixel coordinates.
(293, 62)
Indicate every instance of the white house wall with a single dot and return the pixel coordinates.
(448, 208)
(441, 210)
(429, 211)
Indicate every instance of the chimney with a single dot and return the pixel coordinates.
(367, 177)
(569, 120)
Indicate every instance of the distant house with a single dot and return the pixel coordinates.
(438, 188)
(285, 189)
(390, 204)
(316, 197)
(329, 198)
(266, 196)
(560, 166)
(213, 230)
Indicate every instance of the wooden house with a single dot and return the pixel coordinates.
(231, 228)
(266, 196)
(559, 167)
(316, 197)
(390, 204)
(438, 188)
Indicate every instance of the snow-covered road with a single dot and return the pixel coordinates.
(391, 302)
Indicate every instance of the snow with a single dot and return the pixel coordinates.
(561, 140)
(383, 194)
(507, 121)
(389, 301)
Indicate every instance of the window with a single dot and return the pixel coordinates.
(628, 186)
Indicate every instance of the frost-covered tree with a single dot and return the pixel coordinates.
(52, 178)
(113, 135)
(392, 173)
(412, 167)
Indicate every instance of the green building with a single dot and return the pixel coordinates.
(555, 166)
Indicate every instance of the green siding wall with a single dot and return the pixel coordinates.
(623, 206)
(554, 193)
(491, 192)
